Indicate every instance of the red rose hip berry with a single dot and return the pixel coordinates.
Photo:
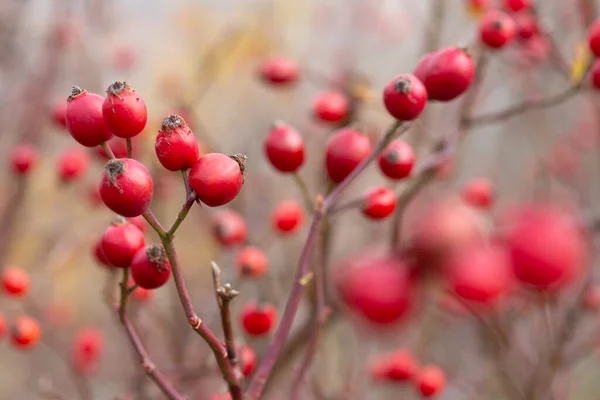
(120, 242)
(288, 216)
(25, 332)
(332, 107)
(84, 118)
(73, 163)
(478, 193)
(229, 228)
(15, 281)
(23, 158)
(279, 71)
(284, 148)
(405, 97)
(124, 110)
(594, 38)
(247, 360)
(379, 203)
(251, 262)
(595, 74)
(176, 145)
(397, 160)
(59, 113)
(150, 268)
(126, 187)
(344, 151)
(430, 381)
(217, 178)
(497, 29)
(446, 73)
(517, 5)
(258, 320)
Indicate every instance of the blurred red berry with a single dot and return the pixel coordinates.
(288, 216)
(88, 343)
(15, 281)
(25, 332)
(331, 107)
(59, 113)
(124, 110)
(217, 178)
(430, 381)
(124, 58)
(150, 268)
(497, 29)
(176, 145)
(229, 227)
(405, 97)
(527, 25)
(139, 222)
(517, 5)
(3, 326)
(251, 262)
(446, 73)
(344, 151)
(284, 148)
(478, 193)
(118, 146)
(397, 366)
(594, 37)
(279, 71)
(397, 160)
(247, 358)
(73, 163)
(23, 158)
(379, 203)
(126, 187)
(591, 298)
(595, 74)
(120, 242)
(258, 320)
(84, 118)
(139, 293)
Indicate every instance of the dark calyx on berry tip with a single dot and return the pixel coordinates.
(402, 85)
(157, 256)
(173, 122)
(497, 25)
(119, 87)
(241, 160)
(114, 168)
(76, 91)
(392, 156)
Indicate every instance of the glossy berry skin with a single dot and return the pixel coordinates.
(124, 110)
(344, 151)
(84, 118)
(126, 187)
(497, 29)
(247, 358)
(397, 366)
(594, 38)
(446, 73)
(517, 5)
(430, 381)
(595, 74)
(120, 242)
(73, 163)
(59, 113)
(284, 148)
(99, 255)
(397, 160)
(23, 158)
(3, 326)
(25, 332)
(150, 268)
(258, 320)
(217, 178)
(405, 97)
(480, 273)
(287, 217)
(251, 262)
(229, 228)
(332, 107)
(15, 281)
(176, 145)
(478, 193)
(379, 203)
(546, 246)
(377, 287)
(279, 71)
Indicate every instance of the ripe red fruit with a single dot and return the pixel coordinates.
(279, 71)
(73, 163)
(397, 160)
(88, 344)
(120, 242)
(344, 151)
(288, 216)
(3, 327)
(379, 203)
(217, 178)
(517, 5)
(59, 113)
(229, 228)
(258, 320)
(15, 281)
(430, 381)
(405, 97)
(150, 267)
(595, 74)
(118, 146)
(84, 118)
(497, 29)
(25, 332)
(377, 286)
(397, 366)
(124, 110)
(126, 187)
(546, 246)
(176, 145)
(446, 73)
(139, 222)
(251, 262)
(478, 193)
(480, 273)
(247, 358)
(331, 107)
(594, 38)
(23, 158)
(99, 255)
(284, 147)
(527, 25)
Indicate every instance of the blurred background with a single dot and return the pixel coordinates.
(200, 59)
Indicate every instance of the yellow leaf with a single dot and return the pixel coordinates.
(580, 63)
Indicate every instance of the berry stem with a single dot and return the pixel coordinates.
(107, 150)
(306, 196)
(154, 223)
(185, 209)
(124, 292)
(225, 294)
(129, 148)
